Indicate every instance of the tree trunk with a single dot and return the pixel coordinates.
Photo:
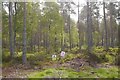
(79, 28)
(98, 39)
(102, 34)
(24, 36)
(11, 31)
(31, 42)
(15, 21)
(89, 28)
(62, 31)
(119, 28)
(55, 41)
(105, 25)
(111, 27)
(69, 29)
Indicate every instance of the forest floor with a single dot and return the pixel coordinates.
(72, 66)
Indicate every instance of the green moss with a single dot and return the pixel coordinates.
(110, 58)
(107, 72)
(69, 73)
(54, 73)
(49, 71)
(113, 49)
(69, 57)
(98, 49)
(83, 74)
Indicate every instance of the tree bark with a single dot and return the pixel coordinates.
(79, 28)
(105, 26)
(111, 27)
(15, 21)
(24, 59)
(89, 28)
(69, 28)
(98, 29)
(11, 31)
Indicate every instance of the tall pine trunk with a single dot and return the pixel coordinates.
(98, 29)
(62, 29)
(105, 26)
(11, 31)
(89, 28)
(69, 28)
(24, 36)
(79, 28)
(111, 26)
(15, 20)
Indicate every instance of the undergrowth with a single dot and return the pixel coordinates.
(70, 73)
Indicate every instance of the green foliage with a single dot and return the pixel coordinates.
(114, 50)
(74, 50)
(37, 58)
(110, 58)
(98, 49)
(69, 57)
(5, 55)
(84, 47)
(104, 56)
